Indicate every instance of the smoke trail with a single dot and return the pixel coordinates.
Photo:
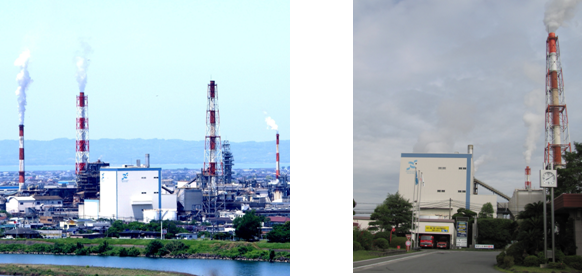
(271, 124)
(23, 80)
(533, 122)
(455, 121)
(482, 159)
(557, 12)
(82, 62)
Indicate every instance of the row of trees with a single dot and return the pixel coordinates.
(248, 227)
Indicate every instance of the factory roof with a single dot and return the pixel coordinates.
(281, 219)
(47, 197)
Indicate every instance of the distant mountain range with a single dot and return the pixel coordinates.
(127, 151)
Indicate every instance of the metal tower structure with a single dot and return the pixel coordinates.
(227, 162)
(557, 134)
(82, 143)
(213, 166)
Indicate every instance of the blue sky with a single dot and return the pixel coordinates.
(149, 67)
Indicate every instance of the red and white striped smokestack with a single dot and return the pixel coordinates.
(21, 158)
(277, 155)
(556, 116)
(527, 177)
(556, 141)
(82, 143)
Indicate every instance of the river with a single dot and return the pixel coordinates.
(192, 266)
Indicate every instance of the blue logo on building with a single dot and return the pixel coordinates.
(412, 166)
(125, 177)
(103, 176)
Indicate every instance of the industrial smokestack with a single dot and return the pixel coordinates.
(147, 160)
(277, 155)
(138, 163)
(470, 147)
(527, 177)
(21, 158)
(82, 143)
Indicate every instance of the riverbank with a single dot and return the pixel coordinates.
(171, 249)
(69, 270)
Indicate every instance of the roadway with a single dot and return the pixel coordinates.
(431, 261)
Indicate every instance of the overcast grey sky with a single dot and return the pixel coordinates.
(435, 76)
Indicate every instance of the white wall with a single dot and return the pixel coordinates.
(14, 206)
(136, 189)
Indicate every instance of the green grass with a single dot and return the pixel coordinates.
(364, 255)
(68, 270)
(206, 245)
(525, 269)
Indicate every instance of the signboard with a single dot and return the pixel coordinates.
(440, 229)
(408, 243)
(484, 246)
(408, 236)
(461, 233)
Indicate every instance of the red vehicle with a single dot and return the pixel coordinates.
(442, 244)
(427, 241)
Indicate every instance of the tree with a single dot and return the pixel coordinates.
(570, 178)
(248, 226)
(280, 233)
(153, 247)
(354, 204)
(394, 212)
(487, 211)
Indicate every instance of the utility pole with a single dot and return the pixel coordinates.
(450, 209)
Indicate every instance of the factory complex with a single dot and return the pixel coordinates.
(439, 184)
(211, 197)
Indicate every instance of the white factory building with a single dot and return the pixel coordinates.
(126, 192)
(448, 183)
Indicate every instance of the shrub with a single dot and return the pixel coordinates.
(381, 243)
(559, 255)
(508, 262)
(123, 252)
(576, 265)
(516, 251)
(153, 247)
(384, 235)
(356, 246)
(176, 247)
(501, 259)
(401, 241)
(558, 265)
(365, 238)
(82, 251)
(571, 259)
(272, 254)
(133, 252)
(531, 261)
(541, 257)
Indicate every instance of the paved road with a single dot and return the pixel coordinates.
(431, 261)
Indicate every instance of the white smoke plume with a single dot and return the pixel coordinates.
(23, 79)
(455, 120)
(534, 121)
(482, 159)
(557, 12)
(82, 62)
(271, 124)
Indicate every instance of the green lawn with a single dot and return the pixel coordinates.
(201, 244)
(525, 269)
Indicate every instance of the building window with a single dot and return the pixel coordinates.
(143, 177)
(38, 203)
(156, 192)
(155, 177)
(462, 191)
(21, 203)
(58, 202)
(442, 168)
(441, 190)
(143, 192)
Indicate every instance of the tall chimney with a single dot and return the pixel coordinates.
(82, 143)
(470, 149)
(277, 155)
(556, 116)
(147, 161)
(21, 158)
(527, 175)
